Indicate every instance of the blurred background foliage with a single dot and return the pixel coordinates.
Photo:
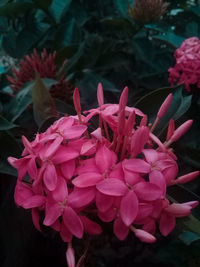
(95, 41)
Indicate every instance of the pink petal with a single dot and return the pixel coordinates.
(105, 159)
(22, 192)
(144, 236)
(87, 179)
(129, 208)
(61, 192)
(144, 210)
(65, 234)
(33, 202)
(88, 148)
(74, 132)
(76, 100)
(112, 187)
(81, 197)
(123, 99)
(63, 154)
(32, 169)
(107, 216)
(151, 155)
(50, 177)
(53, 147)
(90, 227)
(136, 165)
(73, 222)
(157, 178)
(68, 169)
(35, 218)
(147, 191)
(120, 229)
(103, 202)
(150, 226)
(132, 178)
(167, 223)
(139, 139)
(52, 213)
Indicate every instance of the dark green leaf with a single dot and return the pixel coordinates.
(170, 38)
(122, 6)
(5, 124)
(58, 8)
(44, 4)
(43, 104)
(68, 33)
(14, 9)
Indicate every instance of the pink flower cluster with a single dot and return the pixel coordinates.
(187, 68)
(118, 173)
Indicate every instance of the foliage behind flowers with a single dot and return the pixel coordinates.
(118, 172)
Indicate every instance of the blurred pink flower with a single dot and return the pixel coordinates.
(187, 65)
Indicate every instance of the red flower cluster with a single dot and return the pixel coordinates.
(46, 67)
(187, 68)
(118, 172)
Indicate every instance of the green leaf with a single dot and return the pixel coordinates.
(170, 38)
(189, 237)
(14, 9)
(5, 124)
(58, 8)
(68, 33)
(20, 102)
(43, 104)
(88, 85)
(192, 29)
(44, 4)
(122, 6)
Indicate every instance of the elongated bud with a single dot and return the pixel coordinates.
(76, 100)
(121, 123)
(179, 209)
(130, 123)
(170, 130)
(123, 99)
(187, 177)
(70, 256)
(100, 96)
(165, 106)
(180, 131)
(144, 236)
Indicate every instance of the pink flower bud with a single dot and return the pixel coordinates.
(187, 177)
(180, 131)
(123, 99)
(130, 123)
(165, 105)
(76, 99)
(100, 96)
(170, 130)
(70, 256)
(144, 236)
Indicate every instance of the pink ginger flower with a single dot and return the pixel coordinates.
(44, 64)
(118, 173)
(187, 66)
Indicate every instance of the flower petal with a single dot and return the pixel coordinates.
(129, 208)
(112, 187)
(90, 227)
(120, 229)
(87, 179)
(50, 177)
(167, 223)
(103, 202)
(137, 165)
(105, 159)
(73, 222)
(81, 197)
(147, 191)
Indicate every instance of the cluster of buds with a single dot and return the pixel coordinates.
(187, 67)
(117, 173)
(147, 11)
(44, 64)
